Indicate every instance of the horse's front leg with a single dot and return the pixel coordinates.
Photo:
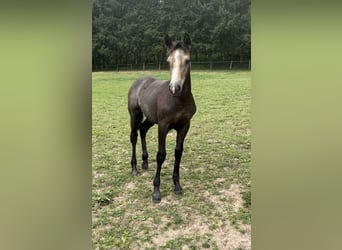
(162, 131)
(181, 133)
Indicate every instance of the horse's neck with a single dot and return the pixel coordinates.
(187, 84)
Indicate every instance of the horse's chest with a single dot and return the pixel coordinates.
(176, 111)
(185, 112)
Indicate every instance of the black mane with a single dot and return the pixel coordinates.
(179, 45)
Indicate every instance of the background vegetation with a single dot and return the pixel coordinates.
(132, 31)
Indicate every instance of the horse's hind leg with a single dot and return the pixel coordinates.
(136, 118)
(144, 127)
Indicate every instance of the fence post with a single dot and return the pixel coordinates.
(144, 66)
(159, 66)
(117, 67)
(249, 64)
(231, 65)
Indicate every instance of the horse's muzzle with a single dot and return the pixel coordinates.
(175, 89)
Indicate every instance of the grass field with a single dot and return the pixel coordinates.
(214, 211)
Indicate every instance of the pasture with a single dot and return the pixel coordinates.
(214, 211)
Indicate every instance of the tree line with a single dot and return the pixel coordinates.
(132, 31)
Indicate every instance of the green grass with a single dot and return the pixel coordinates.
(216, 156)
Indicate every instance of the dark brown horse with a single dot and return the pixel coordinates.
(169, 104)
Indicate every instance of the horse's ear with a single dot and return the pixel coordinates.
(187, 40)
(168, 41)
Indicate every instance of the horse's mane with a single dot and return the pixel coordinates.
(179, 45)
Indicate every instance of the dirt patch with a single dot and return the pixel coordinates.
(234, 194)
(233, 238)
(129, 186)
(224, 235)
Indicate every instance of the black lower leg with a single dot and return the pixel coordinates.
(134, 136)
(178, 156)
(144, 163)
(136, 117)
(144, 127)
(156, 196)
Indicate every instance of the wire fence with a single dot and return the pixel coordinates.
(204, 65)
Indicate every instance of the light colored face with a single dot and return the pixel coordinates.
(179, 61)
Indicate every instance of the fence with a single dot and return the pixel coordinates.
(207, 65)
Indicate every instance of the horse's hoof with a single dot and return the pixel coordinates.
(134, 172)
(178, 189)
(144, 165)
(156, 198)
(178, 192)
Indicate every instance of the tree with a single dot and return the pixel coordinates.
(132, 31)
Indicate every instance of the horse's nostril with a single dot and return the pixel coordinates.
(171, 89)
(175, 89)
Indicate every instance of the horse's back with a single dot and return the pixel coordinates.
(137, 84)
(133, 94)
(143, 96)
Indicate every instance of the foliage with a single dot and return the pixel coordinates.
(132, 31)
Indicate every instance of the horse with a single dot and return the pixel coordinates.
(169, 104)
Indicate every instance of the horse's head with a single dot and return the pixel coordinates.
(178, 53)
